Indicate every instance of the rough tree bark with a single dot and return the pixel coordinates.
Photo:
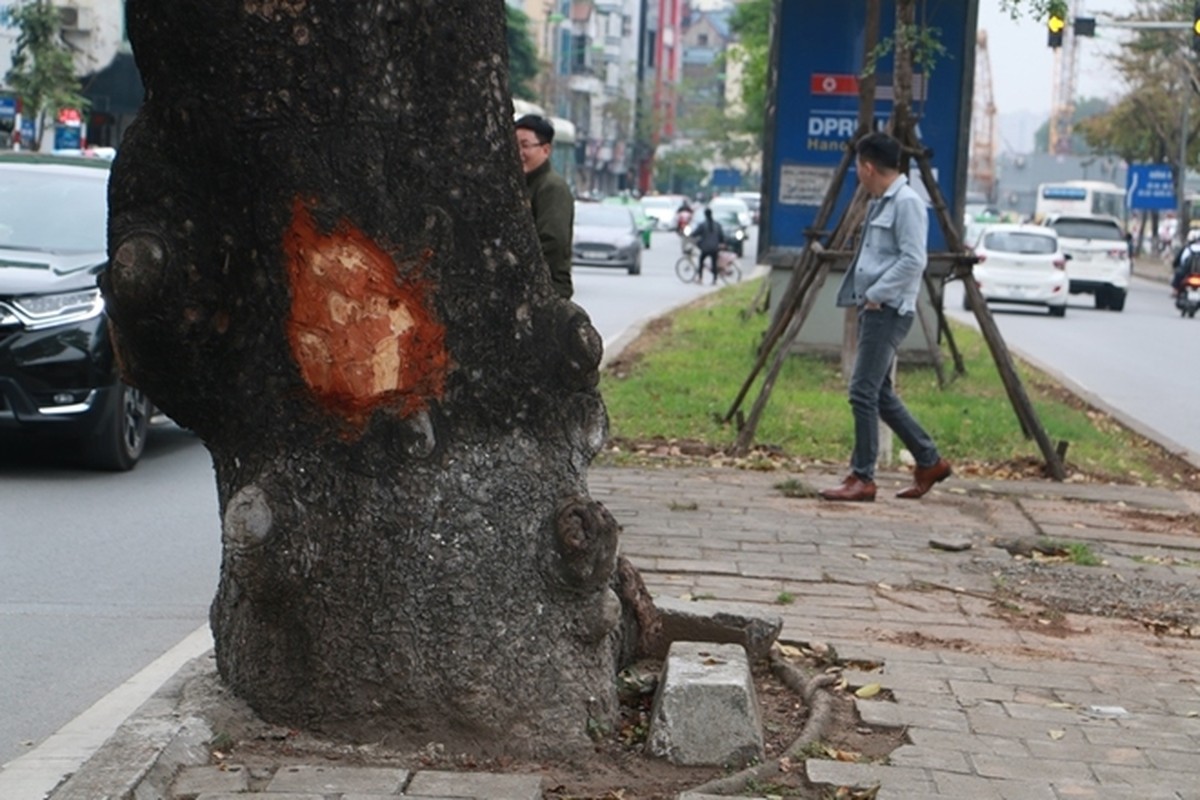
(323, 263)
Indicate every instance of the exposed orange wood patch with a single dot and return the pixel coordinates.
(362, 331)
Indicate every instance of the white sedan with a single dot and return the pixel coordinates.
(1021, 264)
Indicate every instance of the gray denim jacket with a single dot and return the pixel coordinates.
(891, 255)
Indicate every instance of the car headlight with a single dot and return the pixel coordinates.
(42, 311)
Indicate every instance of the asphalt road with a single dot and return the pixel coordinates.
(1133, 361)
(102, 573)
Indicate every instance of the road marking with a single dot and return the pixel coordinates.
(33, 775)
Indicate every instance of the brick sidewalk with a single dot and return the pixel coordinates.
(995, 705)
(1092, 707)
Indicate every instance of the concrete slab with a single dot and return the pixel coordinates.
(752, 626)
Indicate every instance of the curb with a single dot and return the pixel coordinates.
(142, 758)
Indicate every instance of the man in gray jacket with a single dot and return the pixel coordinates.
(883, 283)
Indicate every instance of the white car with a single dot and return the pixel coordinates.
(753, 201)
(662, 208)
(727, 208)
(1098, 257)
(1021, 264)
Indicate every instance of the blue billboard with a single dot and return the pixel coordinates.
(817, 57)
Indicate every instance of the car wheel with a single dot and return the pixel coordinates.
(120, 438)
(1116, 299)
(1058, 311)
(636, 267)
(1101, 299)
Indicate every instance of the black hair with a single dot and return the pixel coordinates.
(540, 126)
(879, 149)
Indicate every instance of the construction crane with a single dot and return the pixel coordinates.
(1062, 93)
(982, 165)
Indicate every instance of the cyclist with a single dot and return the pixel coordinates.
(708, 236)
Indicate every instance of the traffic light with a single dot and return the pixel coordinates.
(1196, 29)
(1056, 23)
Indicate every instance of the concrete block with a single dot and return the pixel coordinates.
(717, 621)
(338, 780)
(705, 711)
(435, 785)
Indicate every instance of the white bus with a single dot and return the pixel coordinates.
(1080, 199)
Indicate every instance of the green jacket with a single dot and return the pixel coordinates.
(554, 217)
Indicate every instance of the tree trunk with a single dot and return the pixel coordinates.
(323, 263)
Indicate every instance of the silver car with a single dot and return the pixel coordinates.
(606, 236)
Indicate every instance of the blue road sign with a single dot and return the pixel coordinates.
(1150, 187)
(726, 178)
(817, 55)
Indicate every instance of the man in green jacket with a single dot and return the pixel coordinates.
(549, 198)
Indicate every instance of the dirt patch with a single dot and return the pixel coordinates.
(1158, 521)
(617, 768)
(1164, 606)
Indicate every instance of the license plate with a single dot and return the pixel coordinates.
(594, 255)
(1193, 295)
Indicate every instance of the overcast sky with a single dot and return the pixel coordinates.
(1023, 66)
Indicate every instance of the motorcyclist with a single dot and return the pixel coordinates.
(1186, 260)
(683, 217)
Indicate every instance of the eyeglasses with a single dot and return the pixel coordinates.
(531, 145)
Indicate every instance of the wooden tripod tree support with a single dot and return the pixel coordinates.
(812, 265)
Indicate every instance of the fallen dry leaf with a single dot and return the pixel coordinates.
(870, 690)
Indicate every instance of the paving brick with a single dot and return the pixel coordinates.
(841, 773)
(950, 784)
(1144, 776)
(329, 780)
(1031, 769)
(930, 758)
(1076, 792)
(1040, 678)
(194, 781)
(969, 743)
(429, 784)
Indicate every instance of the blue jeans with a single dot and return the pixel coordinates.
(872, 397)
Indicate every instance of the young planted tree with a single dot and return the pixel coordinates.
(323, 263)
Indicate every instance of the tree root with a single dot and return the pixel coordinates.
(820, 704)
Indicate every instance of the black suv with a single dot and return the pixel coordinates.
(58, 376)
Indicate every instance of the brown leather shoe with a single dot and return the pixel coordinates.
(853, 489)
(924, 478)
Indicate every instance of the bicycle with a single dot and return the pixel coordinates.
(729, 269)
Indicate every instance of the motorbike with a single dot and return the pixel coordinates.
(1187, 299)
